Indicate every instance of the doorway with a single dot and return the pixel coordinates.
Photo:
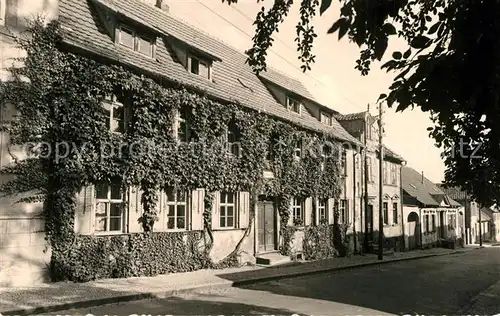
(266, 227)
(369, 222)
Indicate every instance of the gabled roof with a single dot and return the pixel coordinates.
(390, 153)
(454, 192)
(233, 79)
(286, 82)
(351, 116)
(422, 190)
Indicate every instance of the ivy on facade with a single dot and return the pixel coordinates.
(59, 95)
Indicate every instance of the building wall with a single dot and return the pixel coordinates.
(23, 259)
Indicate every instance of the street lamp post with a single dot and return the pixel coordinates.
(380, 187)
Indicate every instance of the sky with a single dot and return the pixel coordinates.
(333, 81)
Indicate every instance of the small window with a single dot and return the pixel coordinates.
(426, 219)
(137, 42)
(343, 163)
(293, 105)
(184, 133)
(322, 211)
(115, 115)
(369, 169)
(386, 213)
(200, 67)
(395, 213)
(227, 210)
(297, 213)
(344, 211)
(326, 119)
(233, 140)
(297, 151)
(174, 205)
(433, 222)
(108, 208)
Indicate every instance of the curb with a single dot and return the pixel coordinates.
(218, 285)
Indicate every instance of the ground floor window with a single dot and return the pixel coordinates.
(343, 211)
(297, 211)
(109, 208)
(174, 204)
(227, 210)
(322, 211)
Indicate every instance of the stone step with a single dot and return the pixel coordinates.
(272, 259)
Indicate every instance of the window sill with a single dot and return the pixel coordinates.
(104, 234)
(227, 229)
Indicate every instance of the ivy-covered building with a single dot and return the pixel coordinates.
(184, 158)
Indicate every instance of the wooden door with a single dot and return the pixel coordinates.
(266, 226)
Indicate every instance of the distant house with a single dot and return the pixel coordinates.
(490, 217)
(364, 127)
(430, 214)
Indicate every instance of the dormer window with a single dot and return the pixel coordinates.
(135, 41)
(326, 118)
(293, 105)
(199, 66)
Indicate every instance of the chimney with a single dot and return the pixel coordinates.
(422, 177)
(161, 5)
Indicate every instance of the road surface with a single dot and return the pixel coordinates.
(432, 286)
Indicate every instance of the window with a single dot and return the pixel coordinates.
(326, 119)
(369, 131)
(395, 213)
(233, 139)
(343, 211)
(297, 214)
(322, 211)
(198, 66)
(227, 209)
(184, 133)
(115, 114)
(386, 173)
(386, 212)
(343, 163)
(173, 203)
(433, 222)
(137, 42)
(426, 219)
(108, 208)
(293, 105)
(297, 151)
(394, 174)
(452, 221)
(370, 170)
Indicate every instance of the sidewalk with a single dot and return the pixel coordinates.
(61, 296)
(486, 303)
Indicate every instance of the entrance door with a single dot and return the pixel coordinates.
(369, 221)
(266, 226)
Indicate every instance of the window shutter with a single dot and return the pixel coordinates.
(244, 209)
(134, 210)
(84, 207)
(331, 210)
(308, 211)
(290, 218)
(216, 211)
(197, 209)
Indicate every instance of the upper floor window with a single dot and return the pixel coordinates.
(322, 210)
(199, 66)
(386, 172)
(173, 204)
(297, 151)
(141, 43)
(227, 210)
(115, 114)
(343, 163)
(233, 139)
(369, 131)
(394, 174)
(109, 208)
(326, 119)
(293, 105)
(369, 169)
(184, 133)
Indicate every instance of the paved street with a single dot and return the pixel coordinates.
(432, 286)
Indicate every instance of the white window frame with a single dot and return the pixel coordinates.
(136, 35)
(297, 150)
(290, 103)
(207, 63)
(370, 169)
(108, 201)
(327, 116)
(395, 212)
(165, 204)
(344, 211)
(232, 130)
(224, 204)
(112, 100)
(343, 163)
(187, 132)
(385, 212)
(297, 204)
(322, 206)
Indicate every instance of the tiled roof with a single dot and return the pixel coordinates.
(423, 190)
(390, 153)
(287, 82)
(454, 192)
(233, 79)
(351, 116)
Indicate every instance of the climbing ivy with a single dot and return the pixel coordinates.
(59, 95)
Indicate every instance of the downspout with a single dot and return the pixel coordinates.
(420, 230)
(361, 180)
(403, 163)
(354, 155)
